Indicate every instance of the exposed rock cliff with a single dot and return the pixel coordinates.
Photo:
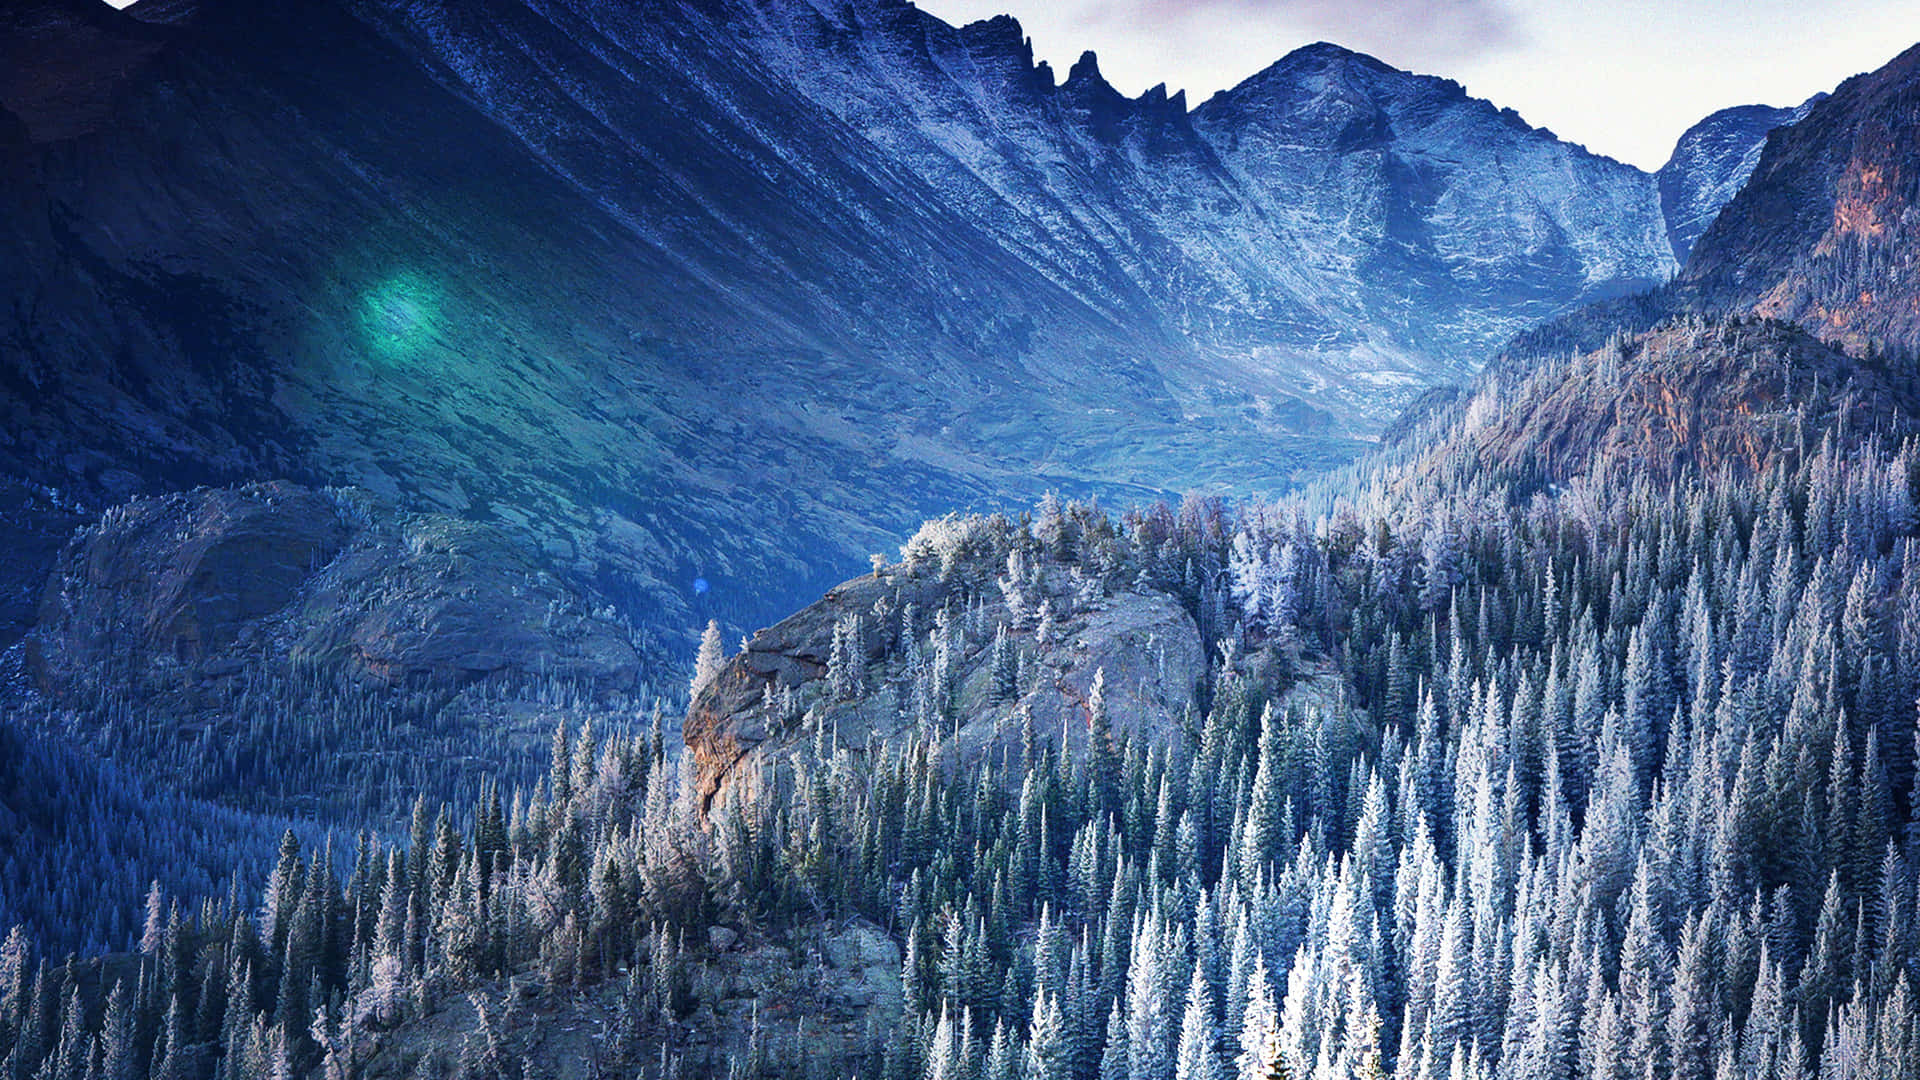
(825, 1002)
(1825, 232)
(974, 651)
(1711, 162)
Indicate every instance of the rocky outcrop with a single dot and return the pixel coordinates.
(275, 646)
(198, 587)
(171, 583)
(823, 1003)
(1005, 666)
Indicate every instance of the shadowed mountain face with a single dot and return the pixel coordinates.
(1824, 233)
(1710, 163)
(735, 291)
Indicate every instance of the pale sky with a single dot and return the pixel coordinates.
(1623, 77)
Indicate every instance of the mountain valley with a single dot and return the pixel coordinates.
(863, 245)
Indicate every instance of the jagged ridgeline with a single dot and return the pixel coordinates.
(1616, 782)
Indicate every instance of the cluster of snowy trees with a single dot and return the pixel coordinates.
(79, 838)
(1614, 783)
(317, 739)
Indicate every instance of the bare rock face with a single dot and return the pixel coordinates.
(185, 575)
(1711, 162)
(444, 600)
(1140, 646)
(865, 963)
(1823, 234)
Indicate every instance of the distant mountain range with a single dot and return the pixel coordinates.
(734, 292)
(1794, 323)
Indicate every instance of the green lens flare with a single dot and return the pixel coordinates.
(398, 316)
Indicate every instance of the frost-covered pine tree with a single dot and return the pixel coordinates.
(1048, 1056)
(1197, 1058)
(708, 661)
(1260, 1045)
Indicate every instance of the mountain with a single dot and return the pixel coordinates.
(1711, 162)
(280, 649)
(1693, 395)
(1793, 319)
(1357, 228)
(660, 284)
(1571, 733)
(1823, 233)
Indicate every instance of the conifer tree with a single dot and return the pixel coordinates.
(1196, 1058)
(1048, 1056)
(709, 659)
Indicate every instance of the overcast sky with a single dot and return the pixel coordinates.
(1624, 77)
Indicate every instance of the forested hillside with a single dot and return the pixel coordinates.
(82, 844)
(1569, 735)
(1615, 783)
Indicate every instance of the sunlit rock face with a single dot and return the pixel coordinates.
(850, 669)
(1826, 230)
(738, 292)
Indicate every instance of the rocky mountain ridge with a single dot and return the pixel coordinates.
(636, 280)
(998, 675)
(1793, 321)
(1823, 233)
(1693, 395)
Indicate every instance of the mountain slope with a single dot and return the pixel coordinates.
(1692, 396)
(1711, 162)
(1823, 234)
(1432, 208)
(638, 279)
